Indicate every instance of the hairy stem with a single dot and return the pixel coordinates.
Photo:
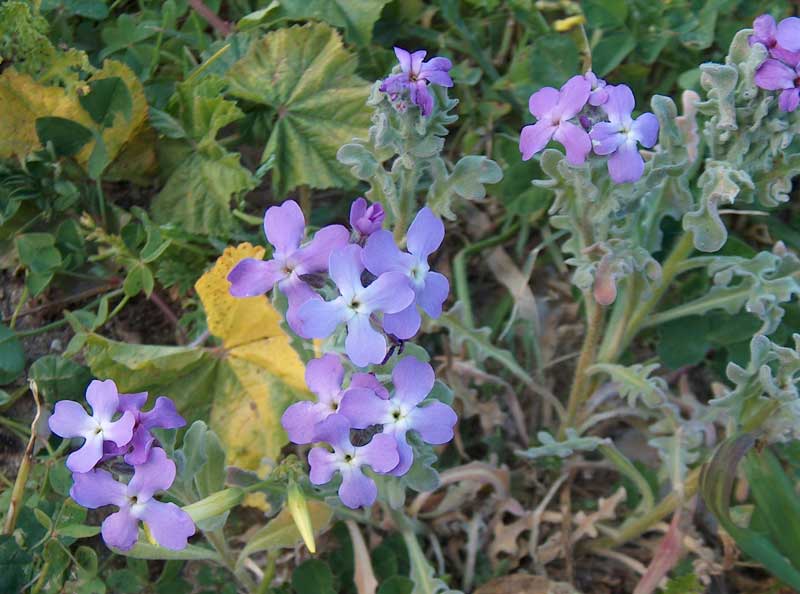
(580, 382)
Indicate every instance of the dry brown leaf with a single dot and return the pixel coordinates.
(520, 583)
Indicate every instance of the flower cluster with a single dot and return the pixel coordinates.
(413, 79)
(118, 427)
(397, 282)
(781, 70)
(587, 114)
(371, 290)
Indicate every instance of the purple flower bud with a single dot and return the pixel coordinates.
(170, 525)
(70, 420)
(365, 220)
(414, 77)
(553, 110)
(620, 135)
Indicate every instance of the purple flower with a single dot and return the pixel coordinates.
(413, 381)
(777, 76)
(381, 255)
(778, 39)
(169, 524)
(163, 415)
(354, 306)
(356, 489)
(284, 227)
(415, 76)
(324, 377)
(599, 93)
(365, 220)
(619, 136)
(553, 109)
(71, 420)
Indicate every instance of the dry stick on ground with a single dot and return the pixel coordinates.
(566, 529)
(15, 505)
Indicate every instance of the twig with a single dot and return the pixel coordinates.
(220, 26)
(15, 505)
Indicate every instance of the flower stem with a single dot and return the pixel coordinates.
(18, 492)
(580, 382)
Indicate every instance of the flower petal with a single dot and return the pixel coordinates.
(322, 466)
(534, 138)
(120, 529)
(335, 430)
(84, 459)
(364, 408)
(317, 318)
(381, 254)
(97, 488)
(573, 96)
(773, 76)
(138, 450)
(626, 164)
(433, 295)
(170, 526)
(300, 420)
(405, 454)
(543, 102)
(390, 292)
(404, 324)
(157, 474)
(413, 381)
(645, 129)
(364, 344)
(132, 402)
(380, 453)
(284, 226)
(404, 58)
(120, 431)
(421, 97)
(575, 140)
(369, 381)
(251, 277)
(425, 234)
(346, 268)
(163, 415)
(606, 137)
(69, 419)
(324, 376)
(315, 256)
(620, 104)
(103, 397)
(416, 59)
(434, 422)
(437, 75)
(764, 29)
(788, 34)
(789, 99)
(357, 490)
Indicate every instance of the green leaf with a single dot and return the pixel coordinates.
(308, 79)
(96, 10)
(611, 51)
(422, 574)
(68, 137)
(397, 584)
(106, 98)
(467, 180)
(99, 159)
(78, 531)
(313, 577)
(12, 356)
(635, 383)
(572, 443)
(138, 280)
(281, 532)
(145, 550)
(356, 17)
(15, 565)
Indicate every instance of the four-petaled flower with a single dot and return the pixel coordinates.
(366, 219)
(415, 76)
(170, 525)
(779, 39)
(777, 76)
(324, 377)
(553, 110)
(382, 255)
(619, 136)
(163, 415)
(284, 227)
(355, 305)
(71, 420)
(356, 489)
(413, 380)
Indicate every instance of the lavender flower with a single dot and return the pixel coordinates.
(169, 524)
(778, 38)
(382, 255)
(619, 136)
(365, 220)
(553, 110)
(70, 420)
(324, 377)
(777, 76)
(415, 76)
(163, 415)
(389, 293)
(413, 381)
(599, 93)
(356, 489)
(284, 227)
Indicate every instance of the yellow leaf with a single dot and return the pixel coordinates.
(246, 411)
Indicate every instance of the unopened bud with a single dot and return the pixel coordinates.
(298, 508)
(215, 504)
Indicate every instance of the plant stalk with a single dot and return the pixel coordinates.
(18, 493)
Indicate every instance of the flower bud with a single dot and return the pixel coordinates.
(298, 508)
(215, 504)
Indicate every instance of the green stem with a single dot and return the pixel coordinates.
(627, 468)
(18, 492)
(217, 540)
(620, 314)
(22, 299)
(579, 393)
